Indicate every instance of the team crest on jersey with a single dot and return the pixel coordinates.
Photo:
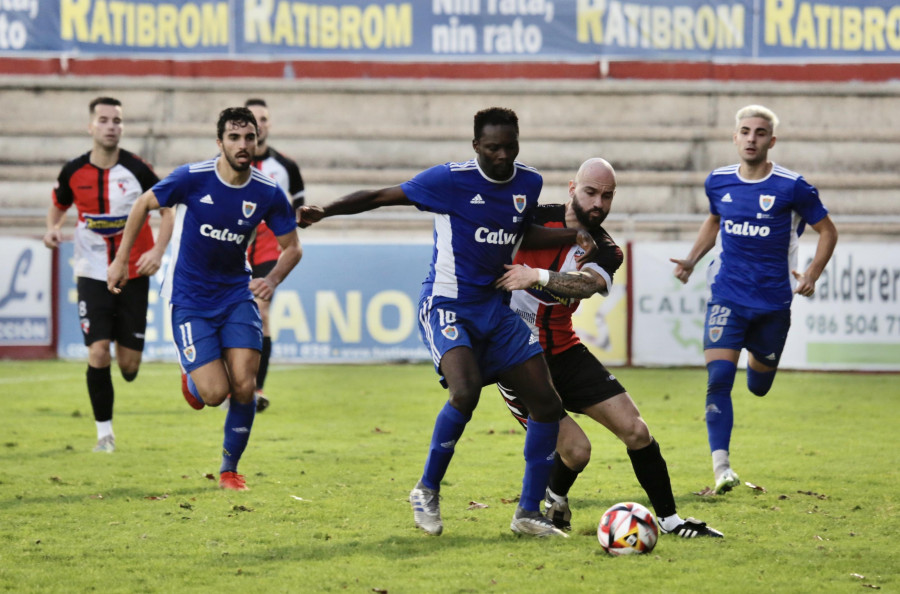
(85, 326)
(520, 200)
(715, 333)
(249, 209)
(766, 201)
(450, 332)
(190, 353)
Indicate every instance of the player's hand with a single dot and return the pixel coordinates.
(116, 276)
(262, 288)
(52, 238)
(516, 277)
(307, 215)
(805, 286)
(149, 263)
(683, 269)
(587, 243)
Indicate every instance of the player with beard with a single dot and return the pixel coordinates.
(547, 286)
(215, 320)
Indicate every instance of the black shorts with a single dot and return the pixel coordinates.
(105, 316)
(580, 379)
(262, 269)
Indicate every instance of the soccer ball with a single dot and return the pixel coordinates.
(627, 528)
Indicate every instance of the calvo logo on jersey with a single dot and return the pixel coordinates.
(519, 201)
(248, 209)
(715, 333)
(766, 201)
(450, 332)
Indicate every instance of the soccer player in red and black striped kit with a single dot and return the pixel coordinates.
(264, 250)
(102, 184)
(547, 286)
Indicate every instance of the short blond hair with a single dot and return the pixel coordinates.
(756, 111)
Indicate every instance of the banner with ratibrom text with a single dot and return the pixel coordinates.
(851, 323)
(458, 30)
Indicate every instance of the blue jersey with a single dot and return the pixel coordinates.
(214, 222)
(761, 222)
(478, 224)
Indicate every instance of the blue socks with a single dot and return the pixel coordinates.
(760, 382)
(540, 446)
(719, 409)
(238, 423)
(448, 428)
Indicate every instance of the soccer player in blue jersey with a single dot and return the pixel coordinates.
(218, 330)
(482, 210)
(758, 210)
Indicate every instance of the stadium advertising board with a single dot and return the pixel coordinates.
(852, 322)
(340, 305)
(25, 293)
(454, 30)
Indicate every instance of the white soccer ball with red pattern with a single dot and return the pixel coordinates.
(627, 528)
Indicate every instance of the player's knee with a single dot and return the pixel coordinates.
(129, 375)
(636, 435)
(720, 376)
(760, 382)
(464, 399)
(547, 409)
(576, 455)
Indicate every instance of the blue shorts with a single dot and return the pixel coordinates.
(200, 334)
(495, 333)
(763, 333)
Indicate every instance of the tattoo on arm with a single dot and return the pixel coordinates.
(577, 284)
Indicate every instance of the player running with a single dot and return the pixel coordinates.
(547, 286)
(483, 209)
(217, 327)
(758, 210)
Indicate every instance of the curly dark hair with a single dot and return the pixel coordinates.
(495, 116)
(238, 115)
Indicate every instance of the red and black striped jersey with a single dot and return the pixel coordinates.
(103, 199)
(286, 173)
(549, 315)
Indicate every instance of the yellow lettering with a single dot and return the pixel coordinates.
(730, 26)
(893, 28)
(823, 14)
(284, 29)
(286, 313)
(398, 25)
(146, 25)
(301, 13)
(166, 19)
(73, 19)
(256, 20)
(100, 23)
(189, 25)
(851, 28)
(705, 28)
(350, 21)
(874, 19)
(329, 34)
(805, 30)
(778, 22)
(373, 27)
(215, 24)
(375, 322)
(589, 21)
(662, 27)
(684, 24)
(328, 310)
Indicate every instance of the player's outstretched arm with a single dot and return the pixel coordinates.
(357, 202)
(579, 285)
(539, 237)
(291, 252)
(828, 236)
(706, 239)
(151, 260)
(117, 273)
